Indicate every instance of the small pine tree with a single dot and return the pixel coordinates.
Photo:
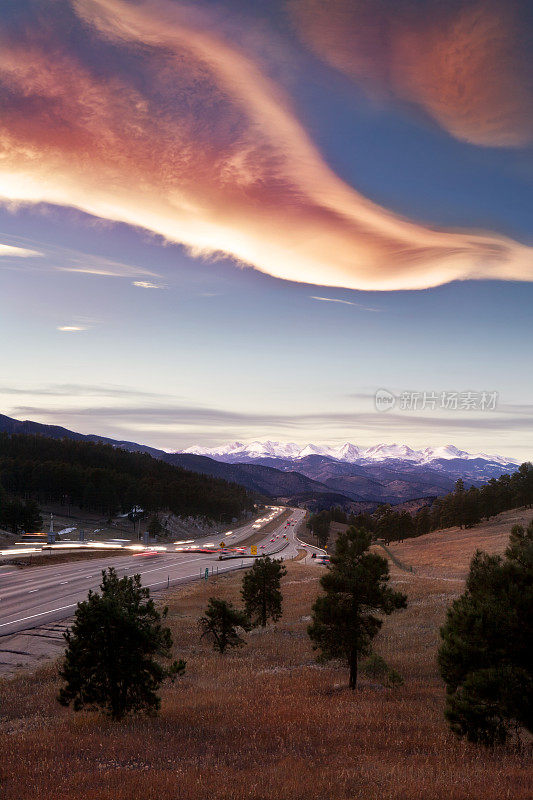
(520, 547)
(261, 590)
(220, 624)
(111, 661)
(344, 621)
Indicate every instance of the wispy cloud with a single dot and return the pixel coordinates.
(175, 416)
(160, 423)
(148, 285)
(54, 258)
(206, 150)
(80, 390)
(78, 323)
(344, 302)
(72, 328)
(9, 251)
(104, 267)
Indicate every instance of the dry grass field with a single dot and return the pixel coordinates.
(447, 553)
(266, 722)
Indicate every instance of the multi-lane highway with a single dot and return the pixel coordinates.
(33, 597)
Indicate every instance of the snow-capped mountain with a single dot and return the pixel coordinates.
(347, 452)
(235, 450)
(290, 451)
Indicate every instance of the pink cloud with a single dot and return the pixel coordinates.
(467, 63)
(211, 155)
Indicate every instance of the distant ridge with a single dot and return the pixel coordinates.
(11, 425)
(351, 453)
(314, 476)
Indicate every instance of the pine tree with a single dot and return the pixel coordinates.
(423, 521)
(319, 524)
(486, 658)
(458, 501)
(471, 507)
(113, 650)
(406, 525)
(261, 590)
(344, 618)
(220, 623)
(520, 546)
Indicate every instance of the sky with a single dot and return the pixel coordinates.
(234, 220)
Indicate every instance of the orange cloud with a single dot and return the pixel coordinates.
(467, 63)
(201, 147)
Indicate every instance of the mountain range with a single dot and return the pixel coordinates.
(316, 476)
(236, 452)
(383, 473)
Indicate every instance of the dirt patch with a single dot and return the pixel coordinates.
(27, 649)
(301, 555)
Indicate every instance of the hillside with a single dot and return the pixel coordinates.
(390, 480)
(313, 480)
(265, 480)
(267, 721)
(447, 553)
(108, 479)
(11, 425)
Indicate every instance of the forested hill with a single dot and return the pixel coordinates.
(11, 425)
(108, 479)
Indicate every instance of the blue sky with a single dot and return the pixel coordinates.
(223, 336)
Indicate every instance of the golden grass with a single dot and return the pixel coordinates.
(265, 721)
(447, 553)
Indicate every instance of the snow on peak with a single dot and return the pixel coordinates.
(313, 450)
(382, 451)
(348, 452)
(446, 451)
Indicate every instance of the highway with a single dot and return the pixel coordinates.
(34, 596)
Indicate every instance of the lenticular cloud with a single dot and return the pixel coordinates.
(164, 124)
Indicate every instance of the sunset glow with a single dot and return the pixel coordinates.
(320, 200)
